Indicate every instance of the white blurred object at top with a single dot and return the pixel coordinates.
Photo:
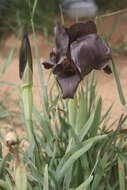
(79, 8)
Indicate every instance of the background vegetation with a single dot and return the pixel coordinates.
(16, 15)
(111, 5)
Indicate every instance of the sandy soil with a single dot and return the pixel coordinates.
(106, 83)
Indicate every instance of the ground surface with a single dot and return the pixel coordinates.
(106, 83)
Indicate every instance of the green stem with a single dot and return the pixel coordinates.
(118, 83)
(29, 129)
(114, 13)
(121, 172)
(27, 98)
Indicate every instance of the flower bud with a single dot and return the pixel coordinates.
(25, 61)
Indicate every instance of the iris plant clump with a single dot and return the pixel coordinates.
(79, 50)
(71, 145)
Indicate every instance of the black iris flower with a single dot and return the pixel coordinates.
(78, 51)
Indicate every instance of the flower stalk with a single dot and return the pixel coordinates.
(26, 75)
(27, 104)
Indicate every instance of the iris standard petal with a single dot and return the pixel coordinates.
(89, 53)
(103, 53)
(82, 54)
(61, 39)
(81, 29)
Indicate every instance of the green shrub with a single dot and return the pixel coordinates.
(16, 15)
(110, 5)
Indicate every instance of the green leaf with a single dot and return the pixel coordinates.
(85, 184)
(7, 62)
(106, 114)
(9, 182)
(122, 175)
(77, 152)
(8, 83)
(82, 114)
(97, 118)
(67, 179)
(83, 132)
(21, 177)
(3, 164)
(4, 185)
(44, 123)
(96, 181)
(92, 91)
(72, 159)
(46, 183)
(72, 111)
(118, 83)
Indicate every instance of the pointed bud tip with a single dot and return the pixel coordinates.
(25, 35)
(25, 56)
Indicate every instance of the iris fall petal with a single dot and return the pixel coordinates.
(69, 84)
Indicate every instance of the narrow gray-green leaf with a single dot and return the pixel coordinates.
(122, 175)
(46, 183)
(71, 160)
(4, 185)
(21, 177)
(7, 62)
(82, 112)
(85, 129)
(118, 83)
(72, 107)
(75, 148)
(66, 164)
(97, 118)
(85, 185)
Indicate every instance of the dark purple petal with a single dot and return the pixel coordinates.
(48, 64)
(103, 53)
(83, 55)
(107, 70)
(78, 30)
(62, 40)
(69, 84)
(25, 55)
(90, 52)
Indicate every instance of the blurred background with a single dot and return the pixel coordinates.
(16, 14)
